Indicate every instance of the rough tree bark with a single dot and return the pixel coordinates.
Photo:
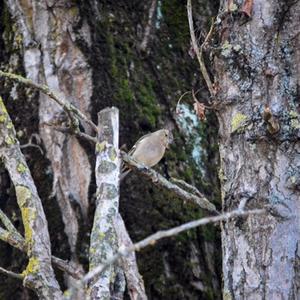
(109, 231)
(257, 78)
(83, 49)
(52, 57)
(134, 280)
(39, 274)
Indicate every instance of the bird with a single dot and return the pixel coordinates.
(149, 149)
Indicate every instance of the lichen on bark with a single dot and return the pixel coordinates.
(146, 89)
(252, 80)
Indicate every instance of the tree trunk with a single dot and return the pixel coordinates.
(51, 56)
(98, 54)
(257, 77)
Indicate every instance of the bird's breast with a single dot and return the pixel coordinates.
(149, 156)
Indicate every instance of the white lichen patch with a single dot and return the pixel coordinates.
(191, 126)
(226, 49)
(295, 119)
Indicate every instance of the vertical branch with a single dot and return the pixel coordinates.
(39, 274)
(197, 51)
(103, 237)
(135, 282)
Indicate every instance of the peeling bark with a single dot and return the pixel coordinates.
(52, 57)
(257, 70)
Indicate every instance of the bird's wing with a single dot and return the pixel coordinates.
(137, 143)
(124, 169)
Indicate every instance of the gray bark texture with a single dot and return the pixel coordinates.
(104, 241)
(38, 274)
(51, 57)
(135, 283)
(133, 55)
(257, 81)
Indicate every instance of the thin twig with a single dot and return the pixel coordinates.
(70, 131)
(11, 274)
(67, 106)
(196, 100)
(9, 225)
(161, 181)
(31, 144)
(24, 146)
(197, 50)
(65, 266)
(17, 241)
(152, 239)
(208, 35)
(12, 239)
(178, 102)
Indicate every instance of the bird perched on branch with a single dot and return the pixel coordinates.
(149, 149)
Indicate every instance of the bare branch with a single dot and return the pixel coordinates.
(70, 131)
(161, 181)
(39, 274)
(135, 283)
(152, 239)
(188, 187)
(208, 36)
(199, 51)
(66, 267)
(178, 102)
(158, 179)
(9, 225)
(12, 239)
(11, 274)
(31, 144)
(69, 108)
(103, 236)
(17, 241)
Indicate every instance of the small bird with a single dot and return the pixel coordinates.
(150, 149)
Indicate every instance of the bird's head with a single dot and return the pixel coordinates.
(165, 137)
